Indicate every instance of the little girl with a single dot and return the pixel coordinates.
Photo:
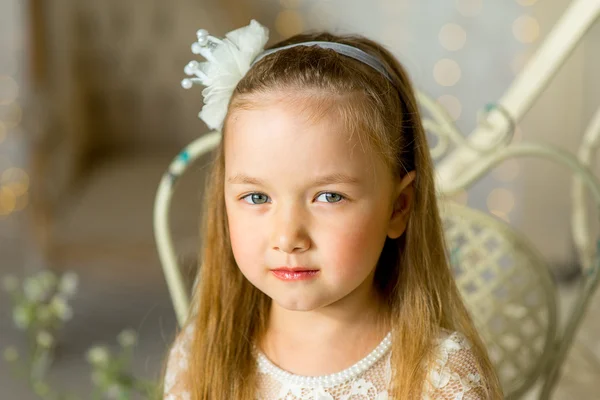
(324, 271)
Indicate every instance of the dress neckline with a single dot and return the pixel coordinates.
(267, 367)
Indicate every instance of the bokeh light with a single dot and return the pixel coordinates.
(469, 8)
(446, 72)
(451, 104)
(500, 215)
(452, 37)
(8, 200)
(289, 23)
(16, 179)
(500, 200)
(9, 90)
(11, 114)
(22, 202)
(526, 29)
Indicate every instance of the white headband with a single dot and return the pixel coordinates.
(229, 59)
(343, 49)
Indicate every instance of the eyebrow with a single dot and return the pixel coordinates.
(242, 179)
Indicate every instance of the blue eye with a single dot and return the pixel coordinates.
(329, 197)
(256, 198)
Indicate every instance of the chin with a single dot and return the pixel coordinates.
(296, 306)
(299, 304)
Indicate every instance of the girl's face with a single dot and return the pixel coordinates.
(308, 207)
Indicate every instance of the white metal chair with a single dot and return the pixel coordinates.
(507, 285)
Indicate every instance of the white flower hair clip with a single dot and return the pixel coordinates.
(227, 61)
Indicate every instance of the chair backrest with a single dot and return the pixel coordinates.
(507, 286)
(509, 291)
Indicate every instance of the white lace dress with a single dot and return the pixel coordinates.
(453, 377)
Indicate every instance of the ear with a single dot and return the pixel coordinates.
(404, 196)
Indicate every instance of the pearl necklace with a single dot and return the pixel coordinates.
(266, 366)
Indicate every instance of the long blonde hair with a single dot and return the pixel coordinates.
(412, 275)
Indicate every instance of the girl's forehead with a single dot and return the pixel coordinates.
(277, 139)
(311, 104)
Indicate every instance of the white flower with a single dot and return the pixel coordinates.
(21, 317)
(114, 391)
(34, 289)
(68, 284)
(98, 355)
(61, 309)
(228, 60)
(127, 338)
(45, 339)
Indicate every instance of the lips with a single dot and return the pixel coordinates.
(294, 273)
(294, 269)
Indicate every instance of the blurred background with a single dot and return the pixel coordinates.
(92, 112)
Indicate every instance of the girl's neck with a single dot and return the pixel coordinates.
(327, 321)
(327, 340)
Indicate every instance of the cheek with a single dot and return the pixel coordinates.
(354, 247)
(244, 237)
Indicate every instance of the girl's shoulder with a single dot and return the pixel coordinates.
(451, 341)
(454, 369)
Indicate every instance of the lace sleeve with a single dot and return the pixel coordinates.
(454, 374)
(175, 387)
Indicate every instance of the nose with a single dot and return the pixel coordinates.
(289, 231)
